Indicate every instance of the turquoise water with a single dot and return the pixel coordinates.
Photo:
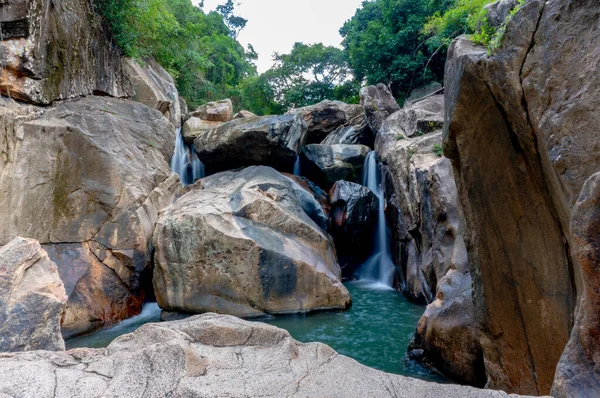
(376, 331)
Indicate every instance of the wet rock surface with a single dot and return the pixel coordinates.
(328, 116)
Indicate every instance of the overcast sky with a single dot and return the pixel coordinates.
(275, 25)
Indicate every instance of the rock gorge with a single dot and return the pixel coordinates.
(489, 190)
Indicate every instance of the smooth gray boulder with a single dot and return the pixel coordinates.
(379, 103)
(32, 298)
(209, 356)
(327, 164)
(246, 243)
(351, 135)
(266, 140)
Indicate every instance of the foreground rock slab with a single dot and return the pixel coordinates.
(246, 243)
(209, 356)
(32, 298)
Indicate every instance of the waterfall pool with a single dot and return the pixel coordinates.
(376, 331)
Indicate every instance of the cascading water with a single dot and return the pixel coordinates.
(297, 169)
(380, 266)
(185, 161)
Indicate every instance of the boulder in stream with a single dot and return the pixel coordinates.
(218, 111)
(246, 243)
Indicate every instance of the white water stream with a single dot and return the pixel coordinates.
(185, 161)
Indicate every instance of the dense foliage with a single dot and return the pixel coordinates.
(401, 43)
(199, 50)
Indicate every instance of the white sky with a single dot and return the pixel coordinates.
(275, 25)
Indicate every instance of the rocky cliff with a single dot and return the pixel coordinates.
(521, 129)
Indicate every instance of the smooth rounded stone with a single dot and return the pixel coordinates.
(210, 355)
(353, 217)
(327, 116)
(577, 372)
(320, 196)
(327, 164)
(447, 335)
(266, 140)
(32, 298)
(535, 129)
(155, 87)
(49, 54)
(87, 179)
(416, 120)
(379, 103)
(242, 114)
(218, 111)
(194, 127)
(245, 244)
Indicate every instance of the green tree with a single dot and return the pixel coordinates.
(235, 23)
(307, 75)
(384, 43)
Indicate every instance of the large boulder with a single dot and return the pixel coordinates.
(523, 133)
(416, 120)
(447, 335)
(353, 218)
(327, 116)
(421, 93)
(379, 103)
(59, 49)
(268, 140)
(244, 243)
(87, 180)
(194, 127)
(242, 114)
(327, 164)
(577, 374)
(155, 87)
(218, 111)
(209, 356)
(32, 298)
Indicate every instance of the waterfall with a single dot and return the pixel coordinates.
(185, 161)
(297, 170)
(380, 266)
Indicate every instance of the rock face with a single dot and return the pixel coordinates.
(58, 49)
(577, 372)
(423, 92)
(155, 87)
(351, 135)
(194, 127)
(208, 356)
(327, 116)
(327, 164)
(219, 111)
(242, 114)
(97, 170)
(498, 11)
(353, 218)
(447, 335)
(522, 131)
(32, 298)
(246, 244)
(379, 103)
(268, 140)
